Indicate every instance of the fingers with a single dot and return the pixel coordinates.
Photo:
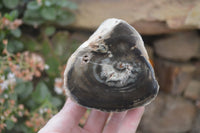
(96, 121)
(68, 117)
(131, 120)
(114, 122)
(123, 122)
(72, 112)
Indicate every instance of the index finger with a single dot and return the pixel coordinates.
(68, 117)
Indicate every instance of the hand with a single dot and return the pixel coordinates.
(67, 121)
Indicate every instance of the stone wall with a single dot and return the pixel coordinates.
(177, 66)
(147, 16)
(170, 29)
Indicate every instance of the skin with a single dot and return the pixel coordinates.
(67, 120)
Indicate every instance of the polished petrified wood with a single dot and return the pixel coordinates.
(111, 71)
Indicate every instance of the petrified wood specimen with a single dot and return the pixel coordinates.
(111, 71)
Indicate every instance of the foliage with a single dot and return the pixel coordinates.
(32, 58)
(49, 11)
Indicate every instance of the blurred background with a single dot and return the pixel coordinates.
(38, 36)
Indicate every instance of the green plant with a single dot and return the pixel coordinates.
(20, 99)
(49, 11)
(31, 65)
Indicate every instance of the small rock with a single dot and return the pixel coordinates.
(196, 127)
(173, 77)
(197, 71)
(193, 16)
(193, 90)
(179, 47)
(168, 114)
(198, 104)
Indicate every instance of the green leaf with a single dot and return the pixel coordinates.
(51, 60)
(19, 80)
(9, 124)
(16, 32)
(32, 44)
(29, 89)
(12, 15)
(41, 93)
(20, 88)
(8, 17)
(14, 46)
(13, 96)
(2, 35)
(67, 4)
(47, 3)
(31, 104)
(33, 5)
(50, 30)
(65, 18)
(50, 2)
(53, 66)
(56, 101)
(49, 13)
(20, 127)
(1, 6)
(10, 3)
(24, 89)
(33, 17)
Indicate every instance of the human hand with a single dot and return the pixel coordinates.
(67, 121)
